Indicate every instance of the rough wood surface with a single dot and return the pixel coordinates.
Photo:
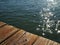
(10, 35)
(2, 23)
(27, 39)
(12, 40)
(6, 31)
(41, 41)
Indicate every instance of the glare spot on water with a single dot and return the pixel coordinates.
(44, 9)
(50, 13)
(55, 29)
(48, 9)
(37, 28)
(43, 29)
(39, 25)
(42, 15)
(50, 32)
(58, 31)
(55, 3)
(46, 18)
(50, 0)
(54, 16)
(40, 12)
(48, 25)
(43, 34)
(34, 15)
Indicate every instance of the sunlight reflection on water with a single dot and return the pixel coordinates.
(40, 17)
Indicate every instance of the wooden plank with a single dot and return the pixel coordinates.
(2, 23)
(6, 31)
(50, 42)
(55, 43)
(12, 40)
(27, 39)
(58, 44)
(17, 40)
(41, 41)
(33, 38)
(23, 40)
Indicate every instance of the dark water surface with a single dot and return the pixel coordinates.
(25, 14)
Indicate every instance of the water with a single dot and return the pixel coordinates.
(25, 14)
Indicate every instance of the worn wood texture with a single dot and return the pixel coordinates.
(2, 23)
(13, 39)
(10, 35)
(41, 41)
(6, 31)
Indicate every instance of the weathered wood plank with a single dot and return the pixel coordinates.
(50, 42)
(55, 43)
(32, 39)
(23, 40)
(6, 31)
(27, 39)
(41, 41)
(20, 41)
(58, 44)
(12, 40)
(37, 41)
(2, 23)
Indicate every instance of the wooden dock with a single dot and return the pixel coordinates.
(10, 35)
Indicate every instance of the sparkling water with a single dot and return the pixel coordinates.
(40, 17)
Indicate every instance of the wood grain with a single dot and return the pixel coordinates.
(2, 23)
(12, 40)
(6, 31)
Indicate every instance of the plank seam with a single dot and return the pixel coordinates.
(3, 25)
(9, 36)
(23, 35)
(13, 35)
(35, 40)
